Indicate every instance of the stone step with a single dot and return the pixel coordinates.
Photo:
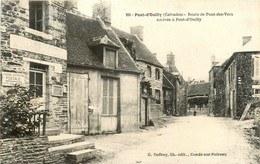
(72, 147)
(81, 156)
(52, 132)
(65, 139)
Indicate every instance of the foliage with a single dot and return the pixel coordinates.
(16, 112)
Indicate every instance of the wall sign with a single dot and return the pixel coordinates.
(11, 78)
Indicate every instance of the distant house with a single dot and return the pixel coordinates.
(172, 74)
(169, 93)
(152, 76)
(198, 95)
(217, 91)
(104, 82)
(236, 81)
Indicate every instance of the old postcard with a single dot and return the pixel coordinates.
(130, 81)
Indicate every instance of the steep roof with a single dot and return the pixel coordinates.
(201, 89)
(84, 33)
(142, 53)
(170, 77)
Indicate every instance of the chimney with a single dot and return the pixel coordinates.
(102, 10)
(71, 4)
(139, 31)
(155, 55)
(171, 62)
(246, 39)
(170, 59)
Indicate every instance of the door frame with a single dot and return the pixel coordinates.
(118, 128)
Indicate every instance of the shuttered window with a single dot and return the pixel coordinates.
(256, 67)
(110, 58)
(110, 96)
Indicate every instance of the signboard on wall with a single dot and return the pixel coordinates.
(12, 78)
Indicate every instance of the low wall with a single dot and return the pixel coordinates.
(30, 150)
(23, 150)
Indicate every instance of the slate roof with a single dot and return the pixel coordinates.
(142, 53)
(81, 36)
(170, 77)
(201, 89)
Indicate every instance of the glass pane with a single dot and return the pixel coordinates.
(39, 90)
(39, 26)
(39, 14)
(32, 77)
(39, 78)
(32, 17)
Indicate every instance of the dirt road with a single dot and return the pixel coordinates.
(189, 140)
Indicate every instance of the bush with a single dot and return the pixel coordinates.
(16, 112)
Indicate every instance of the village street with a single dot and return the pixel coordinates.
(199, 139)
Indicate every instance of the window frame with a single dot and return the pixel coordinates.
(157, 100)
(256, 59)
(43, 83)
(33, 8)
(157, 73)
(105, 57)
(149, 71)
(256, 87)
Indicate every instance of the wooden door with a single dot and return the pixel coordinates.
(110, 118)
(78, 103)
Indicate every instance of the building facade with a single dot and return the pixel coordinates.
(152, 73)
(34, 53)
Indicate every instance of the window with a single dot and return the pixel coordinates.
(158, 96)
(37, 79)
(36, 15)
(149, 71)
(256, 90)
(256, 67)
(157, 74)
(110, 58)
(110, 96)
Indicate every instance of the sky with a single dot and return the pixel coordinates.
(192, 42)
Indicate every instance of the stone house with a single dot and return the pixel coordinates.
(236, 81)
(216, 92)
(104, 82)
(169, 92)
(152, 76)
(34, 53)
(180, 86)
(241, 82)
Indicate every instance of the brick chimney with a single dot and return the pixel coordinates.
(102, 10)
(246, 39)
(170, 61)
(71, 4)
(139, 31)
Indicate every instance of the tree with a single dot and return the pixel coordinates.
(16, 112)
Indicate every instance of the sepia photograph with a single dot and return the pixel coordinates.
(130, 82)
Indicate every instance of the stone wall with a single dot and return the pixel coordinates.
(23, 150)
(156, 110)
(21, 45)
(33, 150)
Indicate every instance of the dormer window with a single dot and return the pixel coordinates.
(37, 15)
(110, 58)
